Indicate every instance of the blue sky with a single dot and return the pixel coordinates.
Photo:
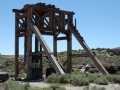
(98, 21)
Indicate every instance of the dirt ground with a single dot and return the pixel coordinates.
(70, 87)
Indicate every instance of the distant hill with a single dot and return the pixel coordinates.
(108, 57)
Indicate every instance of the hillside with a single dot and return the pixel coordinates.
(108, 57)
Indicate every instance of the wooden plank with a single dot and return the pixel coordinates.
(22, 34)
(53, 30)
(47, 33)
(22, 16)
(22, 30)
(62, 21)
(18, 11)
(36, 53)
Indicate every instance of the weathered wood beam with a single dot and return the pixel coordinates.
(36, 53)
(62, 38)
(35, 13)
(22, 16)
(54, 30)
(29, 44)
(62, 21)
(42, 17)
(18, 11)
(69, 46)
(22, 34)
(22, 30)
(16, 46)
(47, 33)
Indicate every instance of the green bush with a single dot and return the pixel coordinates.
(57, 87)
(110, 78)
(12, 85)
(93, 77)
(116, 79)
(64, 78)
(78, 80)
(101, 81)
(53, 78)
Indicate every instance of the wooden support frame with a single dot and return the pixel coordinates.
(49, 21)
(16, 46)
(69, 46)
(29, 45)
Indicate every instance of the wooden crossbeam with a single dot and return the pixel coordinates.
(19, 11)
(54, 30)
(35, 13)
(21, 30)
(36, 53)
(42, 17)
(22, 34)
(47, 33)
(61, 38)
(21, 16)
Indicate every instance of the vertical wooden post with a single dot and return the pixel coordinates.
(16, 46)
(54, 36)
(55, 45)
(69, 46)
(25, 47)
(41, 61)
(62, 21)
(29, 45)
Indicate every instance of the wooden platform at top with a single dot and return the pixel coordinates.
(49, 19)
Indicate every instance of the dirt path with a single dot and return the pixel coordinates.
(70, 87)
